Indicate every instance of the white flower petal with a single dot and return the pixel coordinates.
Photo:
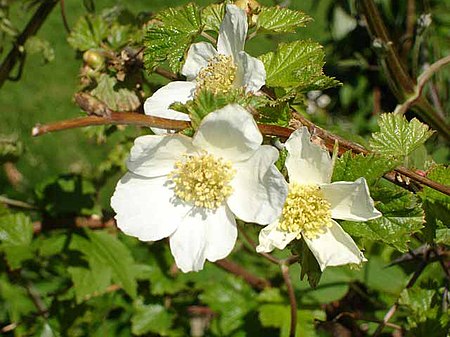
(335, 248)
(259, 189)
(153, 156)
(145, 208)
(271, 237)
(233, 32)
(222, 234)
(230, 133)
(307, 163)
(251, 72)
(158, 104)
(350, 200)
(193, 242)
(197, 58)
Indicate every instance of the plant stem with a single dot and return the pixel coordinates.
(402, 85)
(17, 51)
(292, 300)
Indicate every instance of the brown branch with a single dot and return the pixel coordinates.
(292, 300)
(31, 29)
(64, 17)
(255, 281)
(132, 118)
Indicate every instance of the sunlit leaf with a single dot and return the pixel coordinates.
(397, 136)
(281, 19)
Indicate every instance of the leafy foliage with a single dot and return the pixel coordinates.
(170, 37)
(281, 20)
(398, 137)
(350, 167)
(116, 98)
(402, 216)
(297, 65)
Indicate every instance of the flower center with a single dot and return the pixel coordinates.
(203, 180)
(306, 211)
(218, 76)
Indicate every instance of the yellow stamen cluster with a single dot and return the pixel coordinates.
(306, 212)
(218, 76)
(203, 180)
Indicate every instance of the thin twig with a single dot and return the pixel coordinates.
(64, 17)
(132, 118)
(208, 37)
(292, 300)
(421, 82)
(15, 203)
(234, 268)
(394, 307)
(31, 29)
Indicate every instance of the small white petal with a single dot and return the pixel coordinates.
(307, 163)
(153, 156)
(251, 72)
(197, 58)
(335, 248)
(271, 237)
(158, 104)
(259, 189)
(350, 200)
(195, 241)
(233, 32)
(146, 208)
(230, 133)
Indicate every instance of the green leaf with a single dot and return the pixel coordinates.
(36, 45)
(278, 115)
(440, 174)
(16, 229)
(92, 281)
(104, 249)
(281, 19)
(170, 38)
(88, 33)
(443, 236)
(116, 98)
(212, 16)
(309, 265)
(15, 300)
(10, 148)
(350, 167)
(153, 318)
(297, 64)
(278, 316)
(231, 299)
(398, 137)
(402, 216)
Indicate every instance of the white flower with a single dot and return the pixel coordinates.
(217, 70)
(191, 189)
(313, 201)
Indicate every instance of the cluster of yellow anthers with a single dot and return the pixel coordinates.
(218, 76)
(203, 180)
(306, 211)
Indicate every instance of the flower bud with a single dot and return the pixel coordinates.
(94, 59)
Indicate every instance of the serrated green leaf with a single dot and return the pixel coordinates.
(171, 37)
(212, 16)
(117, 99)
(281, 19)
(88, 33)
(104, 249)
(92, 281)
(398, 137)
(16, 229)
(350, 167)
(278, 115)
(278, 316)
(231, 299)
(440, 174)
(152, 318)
(297, 64)
(36, 45)
(402, 216)
(443, 236)
(15, 300)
